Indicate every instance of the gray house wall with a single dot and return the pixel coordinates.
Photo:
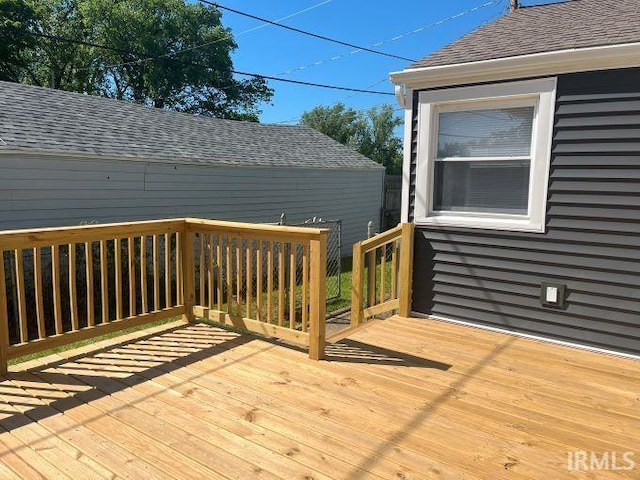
(45, 191)
(592, 238)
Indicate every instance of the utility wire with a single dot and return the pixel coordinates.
(310, 84)
(249, 74)
(393, 39)
(206, 44)
(304, 32)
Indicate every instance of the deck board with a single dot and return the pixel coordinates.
(403, 398)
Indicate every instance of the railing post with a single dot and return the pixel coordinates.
(188, 273)
(406, 270)
(317, 307)
(357, 285)
(4, 320)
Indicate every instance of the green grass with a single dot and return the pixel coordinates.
(344, 300)
(89, 341)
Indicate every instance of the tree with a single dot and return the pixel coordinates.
(371, 134)
(15, 16)
(161, 53)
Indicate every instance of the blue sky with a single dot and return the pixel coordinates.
(273, 51)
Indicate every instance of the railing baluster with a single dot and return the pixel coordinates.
(22, 308)
(4, 318)
(270, 282)
(292, 285)
(305, 287)
(73, 290)
(88, 255)
(202, 274)
(104, 281)
(132, 276)
(219, 271)
(249, 276)
(383, 271)
(281, 284)
(259, 281)
(229, 271)
(394, 269)
(55, 278)
(210, 271)
(118, 276)
(178, 261)
(239, 277)
(156, 274)
(143, 274)
(39, 292)
(167, 271)
(371, 278)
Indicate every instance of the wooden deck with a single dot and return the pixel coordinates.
(399, 399)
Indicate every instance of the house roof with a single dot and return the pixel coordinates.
(573, 24)
(36, 119)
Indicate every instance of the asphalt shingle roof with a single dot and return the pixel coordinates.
(46, 120)
(572, 24)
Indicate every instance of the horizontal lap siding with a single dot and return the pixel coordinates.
(592, 240)
(39, 191)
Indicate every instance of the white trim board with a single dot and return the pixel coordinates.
(534, 65)
(525, 335)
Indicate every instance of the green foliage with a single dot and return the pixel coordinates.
(15, 16)
(196, 80)
(371, 133)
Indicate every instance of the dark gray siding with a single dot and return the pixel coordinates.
(592, 239)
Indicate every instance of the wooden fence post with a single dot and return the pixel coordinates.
(188, 272)
(4, 320)
(406, 270)
(317, 333)
(357, 285)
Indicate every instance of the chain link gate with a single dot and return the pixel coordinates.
(334, 251)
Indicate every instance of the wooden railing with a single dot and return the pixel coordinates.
(267, 279)
(382, 270)
(62, 285)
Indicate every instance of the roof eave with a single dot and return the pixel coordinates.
(533, 65)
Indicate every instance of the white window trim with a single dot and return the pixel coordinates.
(542, 93)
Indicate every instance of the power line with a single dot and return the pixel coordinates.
(310, 84)
(304, 32)
(255, 75)
(206, 44)
(393, 39)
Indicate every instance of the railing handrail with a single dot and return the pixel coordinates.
(39, 237)
(378, 240)
(195, 224)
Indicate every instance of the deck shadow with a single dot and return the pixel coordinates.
(353, 351)
(40, 392)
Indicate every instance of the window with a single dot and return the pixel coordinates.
(483, 155)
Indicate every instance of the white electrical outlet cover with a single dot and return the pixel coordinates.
(552, 295)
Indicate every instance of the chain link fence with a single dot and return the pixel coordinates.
(334, 250)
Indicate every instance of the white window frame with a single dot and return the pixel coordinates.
(541, 95)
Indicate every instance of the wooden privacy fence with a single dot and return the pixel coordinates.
(382, 270)
(61, 285)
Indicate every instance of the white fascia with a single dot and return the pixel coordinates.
(534, 65)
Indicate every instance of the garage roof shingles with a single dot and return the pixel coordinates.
(572, 24)
(35, 119)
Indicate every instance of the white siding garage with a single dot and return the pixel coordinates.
(66, 159)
